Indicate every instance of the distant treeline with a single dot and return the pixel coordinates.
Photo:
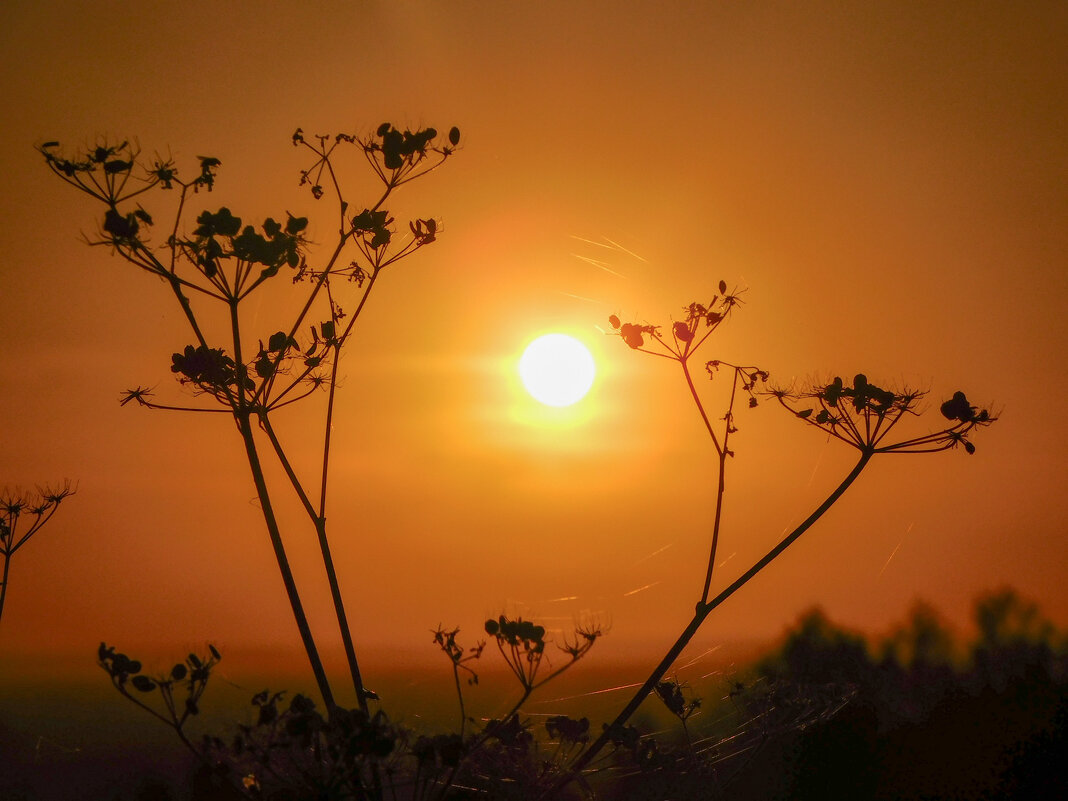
(917, 714)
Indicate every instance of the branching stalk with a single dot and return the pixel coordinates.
(703, 610)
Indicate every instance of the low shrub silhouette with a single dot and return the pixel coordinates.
(983, 719)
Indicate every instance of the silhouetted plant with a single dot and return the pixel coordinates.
(506, 749)
(224, 261)
(679, 702)
(862, 415)
(291, 750)
(189, 678)
(16, 530)
(296, 752)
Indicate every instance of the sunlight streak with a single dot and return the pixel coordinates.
(591, 242)
(594, 692)
(628, 252)
(896, 548)
(654, 553)
(635, 592)
(700, 656)
(581, 297)
(600, 265)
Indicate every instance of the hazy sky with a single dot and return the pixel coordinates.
(886, 180)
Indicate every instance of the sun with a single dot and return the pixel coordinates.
(557, 369)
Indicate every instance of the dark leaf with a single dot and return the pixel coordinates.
(120, 226)
(958, 408)
(723, 287)
(682, 331)
(278, 341)
(613, 321)
(143, 683)
(264, 366)
(294, 225)
(454, 136)
(632, 335)
(178, 672)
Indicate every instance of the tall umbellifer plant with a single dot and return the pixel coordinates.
(213, 264)
(16, 526)
(858, 414)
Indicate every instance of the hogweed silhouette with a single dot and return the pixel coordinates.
(222, 261)
(861, 415)
(16, 529)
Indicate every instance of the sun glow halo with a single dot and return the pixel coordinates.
(557, 369)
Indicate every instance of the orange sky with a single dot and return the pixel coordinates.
(889, 184)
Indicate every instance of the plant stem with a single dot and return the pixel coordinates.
(319, 521)
(283, 561)
(702, 612)
(701, 408)
(3, 586)
(243, 416)
(339, 610)
(721, 452)
(715, 524)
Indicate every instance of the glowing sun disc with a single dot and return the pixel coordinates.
(557, 370)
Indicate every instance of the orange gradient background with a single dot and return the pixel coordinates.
(888, 184)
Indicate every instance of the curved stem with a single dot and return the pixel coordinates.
(704, 609)
(715, 525)
(700, 406)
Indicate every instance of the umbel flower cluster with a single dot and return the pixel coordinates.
(863, 415)
(22, 515)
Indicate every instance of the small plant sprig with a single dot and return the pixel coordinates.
(459, 659)
(189, 678)
(505, 747)
(679, 701)
(15, 507)
(522, 644)
(687, 335)
(222, 261)
(861, 415)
